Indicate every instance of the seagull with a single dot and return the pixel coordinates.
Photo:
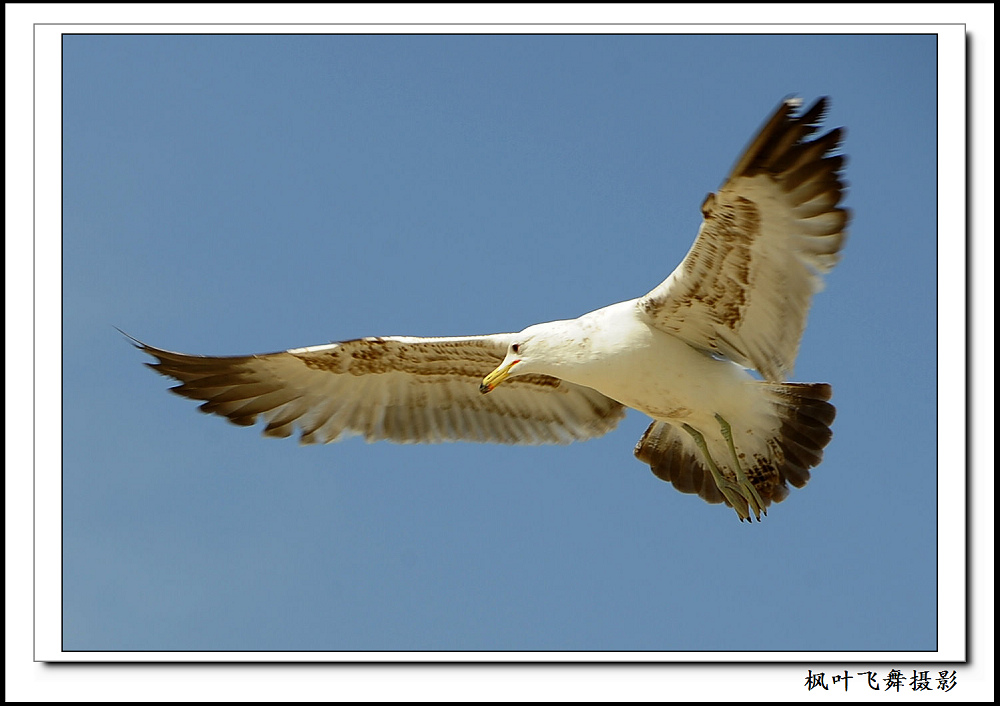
(682, 353)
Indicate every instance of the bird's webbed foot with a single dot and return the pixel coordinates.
(747, 489)
(741, 493)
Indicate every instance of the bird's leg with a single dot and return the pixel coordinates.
(731, 491)
(748, 490)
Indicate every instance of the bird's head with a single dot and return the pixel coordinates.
(538, 350)
(513, 364)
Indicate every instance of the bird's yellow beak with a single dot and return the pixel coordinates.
(497, 377)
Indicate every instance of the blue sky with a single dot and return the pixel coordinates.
(246, 194)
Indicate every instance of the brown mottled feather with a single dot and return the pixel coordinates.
(396, 388)
(744, 288)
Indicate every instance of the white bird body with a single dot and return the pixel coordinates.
(615, 351)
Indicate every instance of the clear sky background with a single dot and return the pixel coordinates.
(247, 194)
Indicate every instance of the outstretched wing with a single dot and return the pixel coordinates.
(768, 235)
(397, 388)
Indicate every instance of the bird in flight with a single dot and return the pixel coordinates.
(680, 354)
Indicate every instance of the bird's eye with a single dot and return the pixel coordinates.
(516, 347)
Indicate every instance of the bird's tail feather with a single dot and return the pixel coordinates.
(793, 442)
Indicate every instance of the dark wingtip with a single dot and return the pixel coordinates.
(135, 341)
